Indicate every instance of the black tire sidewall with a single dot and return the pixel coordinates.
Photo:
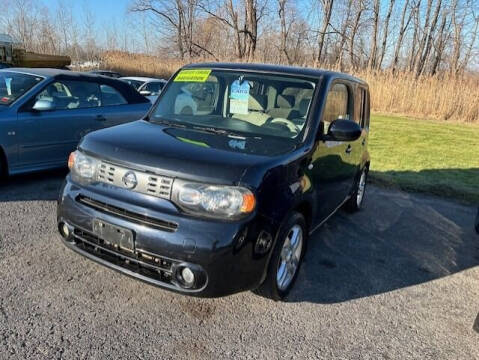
(352, 203)
(3, 170)
(294, 218)
(365, 171)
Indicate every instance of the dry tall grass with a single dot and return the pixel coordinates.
(440, 97)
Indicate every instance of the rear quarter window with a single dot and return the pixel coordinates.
(111, 97)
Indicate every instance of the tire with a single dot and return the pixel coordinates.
(3, 168)
(477, 221)
(357, 197)
(279, 281)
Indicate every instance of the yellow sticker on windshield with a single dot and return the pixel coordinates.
(192, 76)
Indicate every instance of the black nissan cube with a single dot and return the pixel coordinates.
(218, 188)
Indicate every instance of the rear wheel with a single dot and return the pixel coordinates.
(356, 201)
(286, 259)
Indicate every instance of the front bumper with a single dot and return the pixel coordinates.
(225, 256)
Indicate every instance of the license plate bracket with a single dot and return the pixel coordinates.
(114, 235)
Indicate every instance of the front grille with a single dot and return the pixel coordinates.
(152, 266)
(149, 184)
(106, 173)
(128, 215)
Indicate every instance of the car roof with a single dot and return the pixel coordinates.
(278, 69)
(131, 95)
(138, 78)
(163, 81)
(43, 72)
(103, 71)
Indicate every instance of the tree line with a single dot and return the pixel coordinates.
(424, 37)
(420, 36)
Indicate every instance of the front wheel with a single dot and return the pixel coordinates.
(286, 259)
(357, 197)
(3, 169)
(477, 221)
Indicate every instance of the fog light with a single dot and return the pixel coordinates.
(188, 276)
(64, 230)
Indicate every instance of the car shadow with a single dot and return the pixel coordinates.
(44, 185)
(397, 240)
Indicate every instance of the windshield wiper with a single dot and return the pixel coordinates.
(212, 130)
(223, 132)
(170, 123)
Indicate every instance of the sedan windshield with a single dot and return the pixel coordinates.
(236, 102)
(14, 85)
(135, 83)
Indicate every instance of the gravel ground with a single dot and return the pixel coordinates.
(398, 280)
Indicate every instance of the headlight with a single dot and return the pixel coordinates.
(213, 200)
(83, 167)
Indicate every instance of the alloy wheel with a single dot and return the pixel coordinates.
(361, 189)
(290, 257)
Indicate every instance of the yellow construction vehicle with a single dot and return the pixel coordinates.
(11, 54)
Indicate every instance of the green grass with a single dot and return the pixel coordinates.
(426, 156)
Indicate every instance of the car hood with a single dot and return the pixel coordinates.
(183, 153)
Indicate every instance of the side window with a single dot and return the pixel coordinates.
(111, 96)
(337, 105)
(367, 110)
(359, 106)
(67, 95)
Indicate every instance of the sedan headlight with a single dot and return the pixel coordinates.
(213, 200)
(83, 167)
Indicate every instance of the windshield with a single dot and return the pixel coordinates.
(14, 85)
(135, 83)
(153, 87)
(235, 102)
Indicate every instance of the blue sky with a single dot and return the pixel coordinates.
(103, 10)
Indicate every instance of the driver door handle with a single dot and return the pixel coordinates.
(100, 118)
(349, 149)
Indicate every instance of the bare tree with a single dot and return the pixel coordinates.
(343, 33)
(429, 36)
(385, 33)
(374, 47)
(439, 44)
(402, 30)
(284, 29)
(327, 9)
(426, 47)
(354, 30)
(177, 15)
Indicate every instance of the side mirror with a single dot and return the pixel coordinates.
(145, 92)
(343, 130)
(43, 105)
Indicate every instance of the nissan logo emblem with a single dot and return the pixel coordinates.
(129, 180)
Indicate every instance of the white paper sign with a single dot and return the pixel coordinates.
(239, 97)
